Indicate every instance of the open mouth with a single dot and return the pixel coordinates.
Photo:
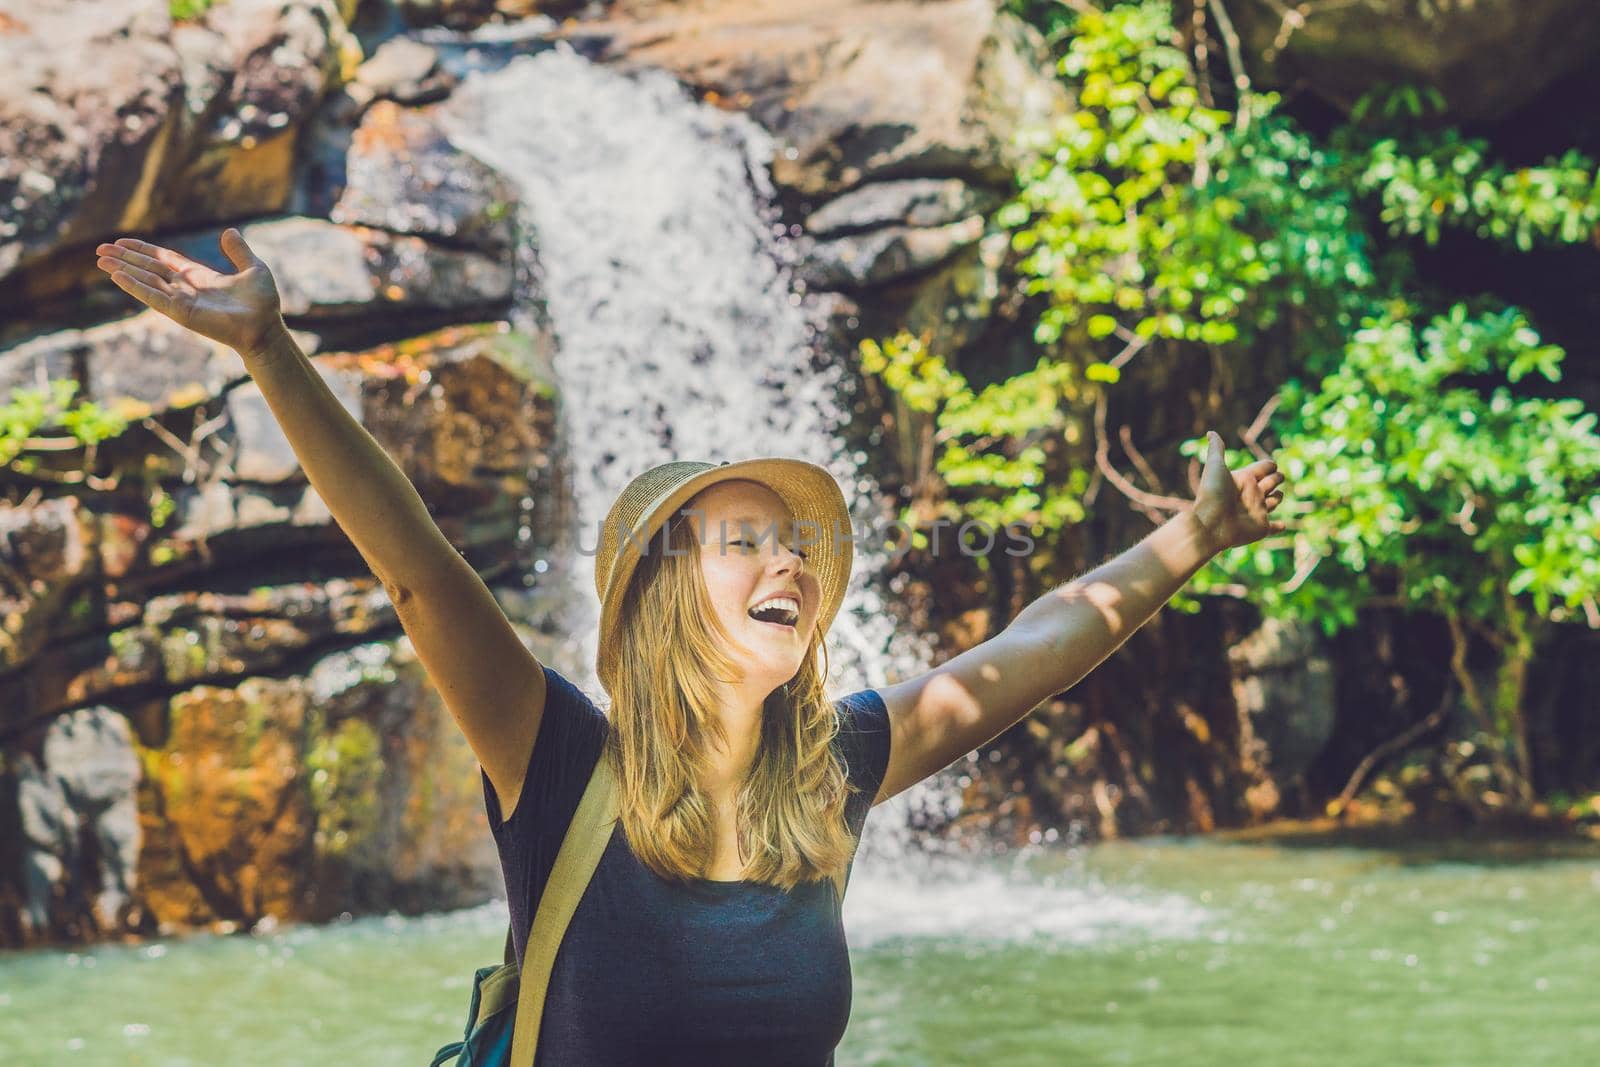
(782, 618)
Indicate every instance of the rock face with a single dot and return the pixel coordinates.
(79, 820)
(347, 788)
(204, 755)
(470, 14)
(209, 714)
(115, 120)
(1283, 687)
(1487, 57)
(402, 174)
(854, 91)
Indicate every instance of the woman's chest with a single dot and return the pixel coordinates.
(722, 962)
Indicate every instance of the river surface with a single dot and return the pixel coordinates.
(1155, 952)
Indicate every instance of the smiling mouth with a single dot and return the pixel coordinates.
(778, 617)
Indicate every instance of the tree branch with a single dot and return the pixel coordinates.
(1152, 505)
(1337, 806)
(1126, 433)
(1251, 435)
(1230, 42)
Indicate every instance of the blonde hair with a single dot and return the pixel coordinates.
(790, 808)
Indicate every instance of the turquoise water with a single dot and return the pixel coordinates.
(1159, 952)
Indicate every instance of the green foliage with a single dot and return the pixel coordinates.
(1108, 182)
(31, 410)
(162, 506)
(1422, 473)
(1145, 215)
(1441, 179)
(996, 487)
(1423, 485)
(189, 10)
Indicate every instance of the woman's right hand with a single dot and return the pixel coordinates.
(240, 310)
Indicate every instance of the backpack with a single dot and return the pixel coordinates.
(504, 1015)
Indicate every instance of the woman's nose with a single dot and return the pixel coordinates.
(788, 559)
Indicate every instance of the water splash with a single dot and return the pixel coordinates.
(951, 900)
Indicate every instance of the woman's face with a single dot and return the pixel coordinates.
(750, 551)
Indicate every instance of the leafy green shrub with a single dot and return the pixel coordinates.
(1420, 474)
(1434, 490)
(983, 444)
(1428, 179)
(30, 410)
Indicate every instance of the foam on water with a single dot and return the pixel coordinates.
(990, 907)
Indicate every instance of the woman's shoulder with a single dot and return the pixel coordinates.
(862, 711)
(571, 735)
(573, 701)
(863, 738)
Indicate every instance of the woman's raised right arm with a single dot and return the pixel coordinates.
(492, 684)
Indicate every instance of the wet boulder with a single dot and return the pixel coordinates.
(1282, 680)
(402, 174)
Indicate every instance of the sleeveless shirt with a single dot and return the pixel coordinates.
(655, 972)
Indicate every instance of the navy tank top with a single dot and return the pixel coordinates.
(655, 972)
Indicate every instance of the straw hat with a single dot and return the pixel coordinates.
(650, 500)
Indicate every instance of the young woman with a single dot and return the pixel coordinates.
(710, 931)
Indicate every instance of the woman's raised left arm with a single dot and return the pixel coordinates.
(938, 717)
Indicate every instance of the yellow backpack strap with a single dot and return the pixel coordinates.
(580, 852)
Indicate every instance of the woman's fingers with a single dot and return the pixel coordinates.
(1271, 482)
(238, 252)
(146, 277)
(149, 278)
(169, 259)
(133, 244)
(130, 259)
(140, 291)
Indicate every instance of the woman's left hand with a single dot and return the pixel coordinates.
(1235, 507)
